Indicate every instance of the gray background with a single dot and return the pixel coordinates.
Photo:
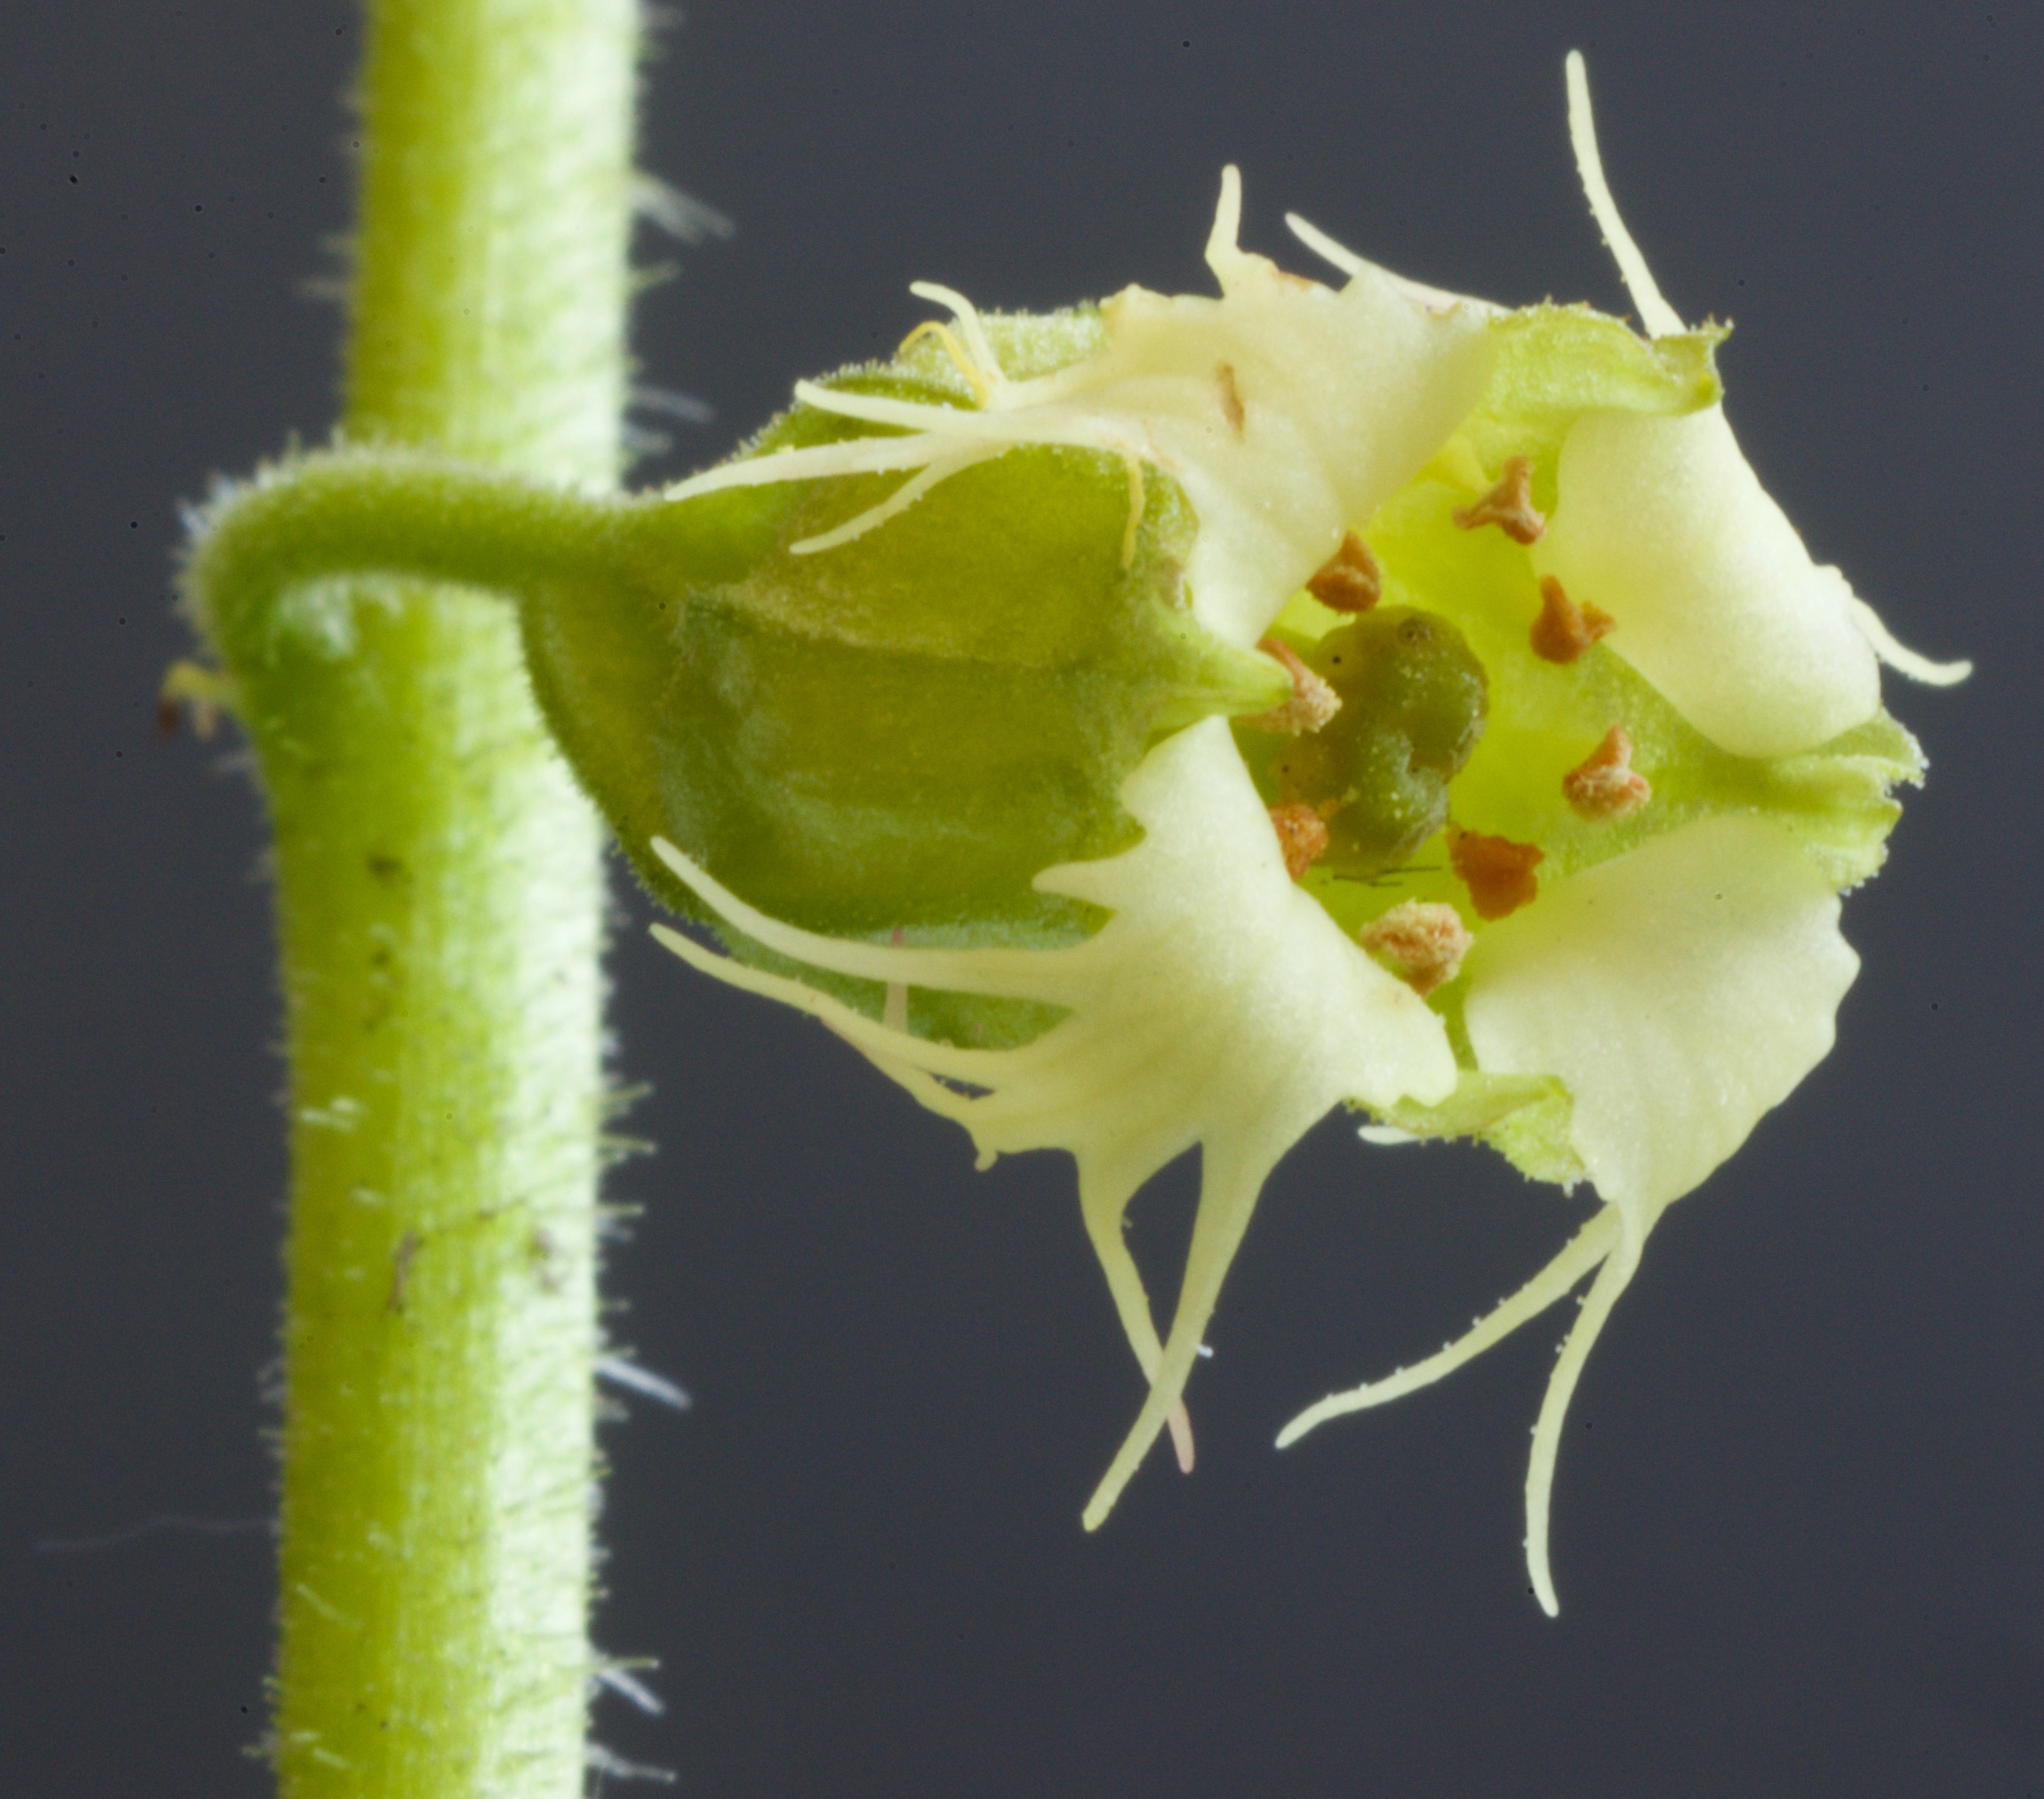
(1798, 1535)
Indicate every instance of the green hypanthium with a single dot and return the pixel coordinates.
(1154, 725)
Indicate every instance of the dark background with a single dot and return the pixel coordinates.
(1798, 1535)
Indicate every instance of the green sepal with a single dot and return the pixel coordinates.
(1524, 1117)
(1551, 364)
(900, 733)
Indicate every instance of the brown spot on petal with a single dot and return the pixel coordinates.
(1498, 873)
(1602, 788)
(1564, 630)
(1349, 580)
(1302, 836)
(1313, 702)
(1231, 396)
(1508, 506)
(1420, 941)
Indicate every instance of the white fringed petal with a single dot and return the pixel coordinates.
(1681, 992)
(1219, 1006)
(1663, 523)
(1287, 411)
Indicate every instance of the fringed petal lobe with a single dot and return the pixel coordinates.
(1662, 524)
(1219, 1006)
(1681, 991)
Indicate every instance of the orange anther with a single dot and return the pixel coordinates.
(1498, 873)
(1564, 630)
(1508, 506)
(1421, 941)
(1313, 702)
(1349, 580)
(1301, 835)
(1603, 787)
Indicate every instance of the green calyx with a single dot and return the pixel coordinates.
(902, 730)
(897, 733)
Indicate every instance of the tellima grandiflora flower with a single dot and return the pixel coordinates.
(1502, 757)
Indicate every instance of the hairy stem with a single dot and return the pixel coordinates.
(440, 905)
(273, 559)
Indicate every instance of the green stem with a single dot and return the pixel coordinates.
(270, 561)
(440, 902)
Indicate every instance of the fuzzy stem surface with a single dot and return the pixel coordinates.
(440, 905)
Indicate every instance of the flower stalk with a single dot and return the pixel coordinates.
(440, 896)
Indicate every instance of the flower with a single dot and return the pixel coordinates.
(1545, 846)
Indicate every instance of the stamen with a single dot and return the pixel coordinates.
(1564, 630)
(1350, 580)
(1508, 506)
(1421, 941)
(1602, 788)
(1313, 702)
(1230, 397)
(1302, 836)
(1498, 873)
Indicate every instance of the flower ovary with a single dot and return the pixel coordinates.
(1413, 701)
